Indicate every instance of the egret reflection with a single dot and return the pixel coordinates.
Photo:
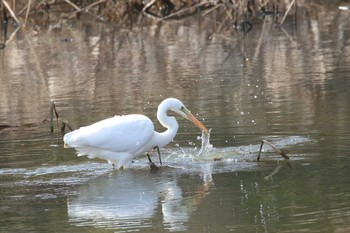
(131, 199)
(139, 198)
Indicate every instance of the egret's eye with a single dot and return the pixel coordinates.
(182, 108)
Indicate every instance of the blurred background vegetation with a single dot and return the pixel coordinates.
(231, 14)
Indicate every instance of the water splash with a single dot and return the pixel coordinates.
(206, 146)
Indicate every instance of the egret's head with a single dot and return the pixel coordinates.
(178, 107)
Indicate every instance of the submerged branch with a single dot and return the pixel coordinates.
(52, 111)
(272, 146)
(64, 125)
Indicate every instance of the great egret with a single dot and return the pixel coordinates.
(120, 139)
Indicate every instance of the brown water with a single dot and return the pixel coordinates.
(285, 84)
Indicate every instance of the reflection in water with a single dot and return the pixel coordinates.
(106, 72)
(286, 84)
(131, 199)
(117, 200)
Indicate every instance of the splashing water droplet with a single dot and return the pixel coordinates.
(206, 146)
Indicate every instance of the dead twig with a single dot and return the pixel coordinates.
(88, 7)
(52, 111)
(27, 13)
(11, 37)
(64, 125)
(13, 15)
(73, 5)
(288, 9)
(272, 146)
(186, 9)
(214, 8)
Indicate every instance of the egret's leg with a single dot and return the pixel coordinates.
(151, 164)
(111, 162)
(160, 159)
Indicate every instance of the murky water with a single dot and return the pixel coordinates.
(287, 84)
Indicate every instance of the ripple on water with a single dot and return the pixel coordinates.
(206, 160)
(55, 175)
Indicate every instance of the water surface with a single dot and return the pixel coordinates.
(285, 84)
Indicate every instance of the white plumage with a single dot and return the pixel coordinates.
(120, 139)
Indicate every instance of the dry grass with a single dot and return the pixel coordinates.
(226, 15)
(236, 11)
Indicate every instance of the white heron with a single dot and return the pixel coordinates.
(120, 139)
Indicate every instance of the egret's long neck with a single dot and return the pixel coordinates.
(168, 122)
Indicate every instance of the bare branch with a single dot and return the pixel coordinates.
(272, 146)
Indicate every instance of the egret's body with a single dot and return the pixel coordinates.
(122, 138)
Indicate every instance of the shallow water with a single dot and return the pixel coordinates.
(288, 85)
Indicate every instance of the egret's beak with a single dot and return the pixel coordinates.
(197, 122)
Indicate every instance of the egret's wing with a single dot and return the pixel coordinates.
(119, 134)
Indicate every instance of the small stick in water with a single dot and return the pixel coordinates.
(64, 125)
(53, 110)
(52, 105)
(276, 149)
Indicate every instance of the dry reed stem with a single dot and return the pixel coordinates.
(214, 8)
(288, 9)
(73, 5)
(27, 13)
(89, 6)
(186, 9)
(13, 15)
(12, 36)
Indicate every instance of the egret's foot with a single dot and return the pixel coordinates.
(153, 167)
(151, 164)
